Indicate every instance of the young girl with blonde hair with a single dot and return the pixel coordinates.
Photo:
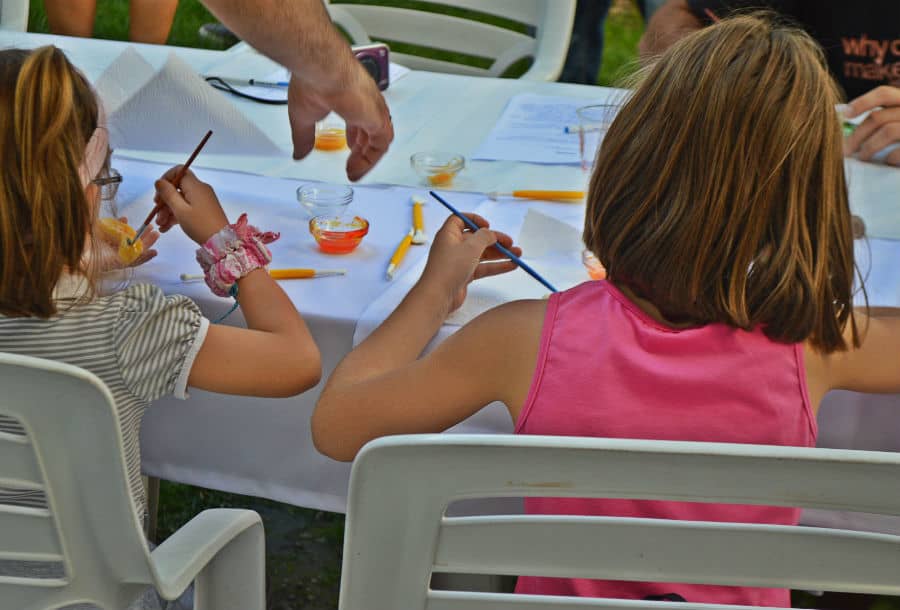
(54, 164)
(718, 206)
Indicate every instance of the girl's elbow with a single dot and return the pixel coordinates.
(329, 444)
(305, 370)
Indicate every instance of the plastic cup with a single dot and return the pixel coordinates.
(593, 122)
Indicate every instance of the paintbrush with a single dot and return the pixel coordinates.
(176, 182)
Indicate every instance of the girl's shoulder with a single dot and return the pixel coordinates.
(144, 297)
(147, 307)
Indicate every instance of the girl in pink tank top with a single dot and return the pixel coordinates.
(718, 206)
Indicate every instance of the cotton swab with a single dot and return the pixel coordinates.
(176, 182)
(525, 266)
(282, 274)
(566, 196)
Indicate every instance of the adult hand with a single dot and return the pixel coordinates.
(880, 129)
(458, 256)
(193, 204)
(359, 102)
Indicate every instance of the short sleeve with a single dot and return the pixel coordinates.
(156, 340)
(723, 8)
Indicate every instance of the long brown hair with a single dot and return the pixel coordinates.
(48, 112)
(719, 192)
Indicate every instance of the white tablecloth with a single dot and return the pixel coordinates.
(263, 447)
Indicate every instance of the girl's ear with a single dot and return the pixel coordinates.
(92, 193)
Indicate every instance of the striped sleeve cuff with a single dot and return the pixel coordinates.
(180, 389)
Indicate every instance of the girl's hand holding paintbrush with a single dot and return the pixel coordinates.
(194, 206)
(459, 256)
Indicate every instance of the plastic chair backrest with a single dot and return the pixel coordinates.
(73, 454)
(14, 15)
(459, 31)
(397, 532)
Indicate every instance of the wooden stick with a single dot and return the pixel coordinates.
(176, 182)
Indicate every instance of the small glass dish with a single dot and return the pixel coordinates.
(324, 199)
(331, 134)
(338, 234)
(437, 168)
(593, 265)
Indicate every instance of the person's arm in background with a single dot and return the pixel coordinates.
(674, 20)
(881, 128)
(326, 76)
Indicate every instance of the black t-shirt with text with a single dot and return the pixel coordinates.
(861, 38)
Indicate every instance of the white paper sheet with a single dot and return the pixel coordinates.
(875, 196)
(532, 129)
(169, 110)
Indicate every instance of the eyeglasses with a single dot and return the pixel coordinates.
(109, 185)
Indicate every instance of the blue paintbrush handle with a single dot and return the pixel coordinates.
(525, 266)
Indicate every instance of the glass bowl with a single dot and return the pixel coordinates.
(437, 168)
(325, 199)
(331, 134)
(338, 234)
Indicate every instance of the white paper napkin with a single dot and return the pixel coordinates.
(170, 110)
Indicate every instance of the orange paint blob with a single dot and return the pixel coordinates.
(597, 273)
(441, 179)
(116, 230)
(331, 139)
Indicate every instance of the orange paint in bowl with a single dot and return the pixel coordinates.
(338, 235)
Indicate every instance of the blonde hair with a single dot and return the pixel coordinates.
(48, 112)
(719, 193)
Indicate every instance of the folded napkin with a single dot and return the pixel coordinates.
(169, 110)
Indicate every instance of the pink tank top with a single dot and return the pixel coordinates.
(607, 369)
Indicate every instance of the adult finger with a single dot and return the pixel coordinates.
(369, 144)
(893, 158)
(364, 157)
(302, 115)
(881, 139)
(884, 96)
(865, 130)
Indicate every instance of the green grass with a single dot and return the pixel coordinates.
(112, 22)
(623, 29)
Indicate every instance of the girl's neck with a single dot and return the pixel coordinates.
(650, 309)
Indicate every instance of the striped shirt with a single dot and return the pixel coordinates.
(138, 341)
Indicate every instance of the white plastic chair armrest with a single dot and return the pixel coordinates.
(552, 42)
(215, 536)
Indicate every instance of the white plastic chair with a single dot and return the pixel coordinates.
(551, 20)
(73, 453)
(397, 532)
(14, 15)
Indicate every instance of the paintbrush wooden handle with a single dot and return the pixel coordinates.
(178, 177)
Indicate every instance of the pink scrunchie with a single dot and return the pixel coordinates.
(232, 253)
